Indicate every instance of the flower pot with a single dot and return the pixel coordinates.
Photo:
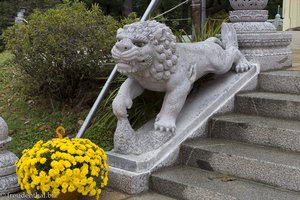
(248, 4)
(67, 196)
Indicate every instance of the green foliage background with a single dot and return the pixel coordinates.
(63, 47)
(9, 9)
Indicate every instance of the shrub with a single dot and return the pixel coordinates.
(63, 47)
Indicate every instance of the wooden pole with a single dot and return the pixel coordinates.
(196, 19)
(203, 18)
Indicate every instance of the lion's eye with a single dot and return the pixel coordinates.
(139, 44)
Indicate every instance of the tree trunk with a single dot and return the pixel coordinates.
(196, 19)
(127, 7)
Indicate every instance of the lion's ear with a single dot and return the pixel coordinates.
(160, 34)
(119, 31)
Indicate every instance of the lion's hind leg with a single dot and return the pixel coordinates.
(233, 55)
(234, 59)
(241, 64)
(215, 40)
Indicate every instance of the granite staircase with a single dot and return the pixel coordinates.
(251, 154)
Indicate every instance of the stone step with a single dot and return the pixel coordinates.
(147, 196)
(280, 81)
(257, 130)
(258, 163)
(189, 183)
(276, 105)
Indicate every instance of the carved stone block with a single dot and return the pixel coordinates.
(249, 16)
(8, 177)
(248, 4)
(9, 184)
(253, 27)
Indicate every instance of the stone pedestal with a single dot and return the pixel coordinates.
(131, 173)
(258, 39)
(8, 177)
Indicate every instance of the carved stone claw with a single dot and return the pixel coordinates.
(163, 128)
(243, 66)
(157, 117)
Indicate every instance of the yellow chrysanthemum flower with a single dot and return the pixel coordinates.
(76, 172)
(79, 152)
(55, 192)
(63, 165)
(69, 172)
(65, 185)
(43, 160)
(46, 188)
(80, 189)
(72, 150)
(71, 188)
(93, 192)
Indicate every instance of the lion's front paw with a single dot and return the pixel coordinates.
(167, 125)
(243, 66)
(120, 107)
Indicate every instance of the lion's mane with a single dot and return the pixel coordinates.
(164, 42)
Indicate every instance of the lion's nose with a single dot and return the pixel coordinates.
(124, 45)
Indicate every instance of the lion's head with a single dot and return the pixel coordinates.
(146, 48)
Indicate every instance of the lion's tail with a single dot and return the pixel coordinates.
(229, 37)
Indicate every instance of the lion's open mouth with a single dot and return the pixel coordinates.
(128, 55)
(125, 68)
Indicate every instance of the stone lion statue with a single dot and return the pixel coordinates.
(148, 54)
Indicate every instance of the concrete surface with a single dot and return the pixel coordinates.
(268, 104)
(191, 183)
(254, 162)
(257, 130)
(282, 81)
